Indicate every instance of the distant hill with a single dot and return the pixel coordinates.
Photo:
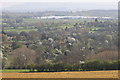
(59, 6)
(98, 13)
(66, 8)
(109, 13)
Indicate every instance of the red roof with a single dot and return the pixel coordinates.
(61, 42)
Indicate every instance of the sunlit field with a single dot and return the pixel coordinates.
(81, 74)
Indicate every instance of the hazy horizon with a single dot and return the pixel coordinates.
(57, 6)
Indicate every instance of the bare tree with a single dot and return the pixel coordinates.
(23, 57)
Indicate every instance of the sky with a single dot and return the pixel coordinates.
(11, 3)
(59, 0)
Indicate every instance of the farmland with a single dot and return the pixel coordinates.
(81, 74)
(19, 30)
(64, 47)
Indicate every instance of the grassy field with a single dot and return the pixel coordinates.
(14, 70)
(59, 20)
(81, 74)
(56, 20)
(19, 30)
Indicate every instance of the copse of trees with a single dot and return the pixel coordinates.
(101, 65)
(87, 66)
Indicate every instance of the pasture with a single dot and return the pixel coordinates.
(19, 29)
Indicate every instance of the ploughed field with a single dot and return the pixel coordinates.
(80, 74)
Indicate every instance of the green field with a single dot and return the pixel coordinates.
(57, 20)
(19, 30)
(61, 23)
(14, 70)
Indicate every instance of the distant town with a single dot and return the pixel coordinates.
(73, 17)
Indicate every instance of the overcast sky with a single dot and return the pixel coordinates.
(59, 0)
(105, 3)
